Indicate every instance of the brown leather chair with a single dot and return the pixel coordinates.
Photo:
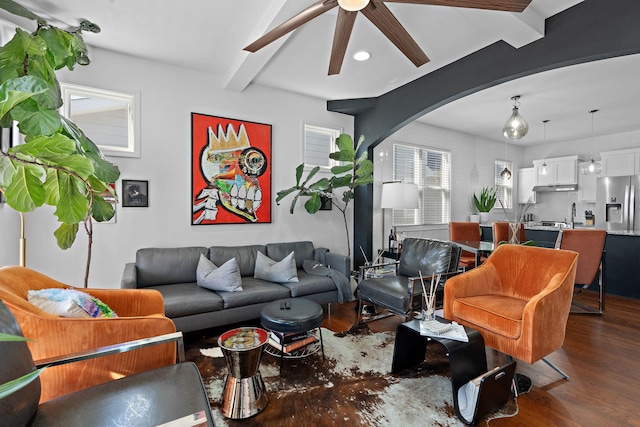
(465, 230)
(502, 233)
(140, 315)
(519, 300)
(148, 398)
(589, 244)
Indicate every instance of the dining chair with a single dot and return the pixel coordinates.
(502, 233)
(465, 230)
(590, 245)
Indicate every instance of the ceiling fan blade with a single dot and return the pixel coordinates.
(302, 18)
(344, 26)
(504, 5)
(382, 18)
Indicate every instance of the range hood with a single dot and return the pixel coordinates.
(556, 187)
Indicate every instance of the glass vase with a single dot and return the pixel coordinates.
(428, 307)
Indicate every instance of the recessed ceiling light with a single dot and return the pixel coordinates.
(361, 56)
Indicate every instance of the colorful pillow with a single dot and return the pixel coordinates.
(276, 271)
(69, 303)
(224, 278)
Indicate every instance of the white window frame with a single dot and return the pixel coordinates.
(332, 135)
(504, 187)
(403, 217)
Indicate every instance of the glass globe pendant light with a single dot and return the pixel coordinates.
(593, 167)
(516, 126)
(544, 169)
(506, 173)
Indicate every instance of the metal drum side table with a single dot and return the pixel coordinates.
(244, 393)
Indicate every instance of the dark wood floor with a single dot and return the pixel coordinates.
(601, 355)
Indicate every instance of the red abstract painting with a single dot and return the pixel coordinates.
(230, 170)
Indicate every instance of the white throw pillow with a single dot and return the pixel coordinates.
(69, 303)
(224, 278)
(276, 271)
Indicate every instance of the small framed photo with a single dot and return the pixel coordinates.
(135, 194)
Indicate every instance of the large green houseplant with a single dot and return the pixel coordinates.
(351, 173)
(57, 165)
(486, 200)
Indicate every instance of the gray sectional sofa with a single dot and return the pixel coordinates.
(172, 271)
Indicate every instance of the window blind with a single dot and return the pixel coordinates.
(318, 144)
(431, 171)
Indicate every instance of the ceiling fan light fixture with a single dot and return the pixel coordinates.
(516, 126)
(353, 5)
(362, 55)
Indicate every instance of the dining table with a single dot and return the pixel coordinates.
(482, 247)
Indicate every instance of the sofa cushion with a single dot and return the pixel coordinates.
(309, 284)
(256, 291)
(223, 278)
(244, 255)
(185, 299)
(160, 266)
(302, 251)
(426, 256)
(276, 271)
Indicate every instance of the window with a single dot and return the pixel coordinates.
(431, 171)
(318, 143)
(503, 186)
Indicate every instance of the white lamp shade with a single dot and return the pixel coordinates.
(398, 195)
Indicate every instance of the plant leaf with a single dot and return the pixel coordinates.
(313, 204)
(7, 170)
(26, 191)
(10, 337)
(312, 173)
(66, 235)
(299, 170)
(337, 170)
(12, 386)
(284, 193)
(102, 210)
(322, 184)
(17, 9)
(364, 169)
(34, 119)
(341, 181)
(46, 145)
(52, 187)
(73, 205)
(17, 90)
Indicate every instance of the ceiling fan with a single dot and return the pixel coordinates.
(378, 13)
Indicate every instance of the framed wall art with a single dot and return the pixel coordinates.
(135, 194)
(230, 171)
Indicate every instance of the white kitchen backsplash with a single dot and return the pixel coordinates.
(556, 206)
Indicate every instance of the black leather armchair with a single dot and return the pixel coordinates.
(401, 294)
(145, 399)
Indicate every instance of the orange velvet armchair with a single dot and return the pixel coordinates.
(140, 315)
(465, 230)
(519, 300)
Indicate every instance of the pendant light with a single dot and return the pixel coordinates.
(353, 5)
(516, 126)
(544, 169)
(593, 167)
(506, 173)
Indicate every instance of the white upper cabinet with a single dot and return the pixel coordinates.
(561, 170)
(621, 162)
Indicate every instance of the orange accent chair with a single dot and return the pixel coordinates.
(590, 245)
(140, 315)
(465, 230)
(502, 233)
(518, 300)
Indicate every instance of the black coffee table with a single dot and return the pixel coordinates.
(293, 315)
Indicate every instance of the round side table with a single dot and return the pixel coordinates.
(244, 393)
(290, 316)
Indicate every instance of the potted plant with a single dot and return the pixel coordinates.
(351, 173)
(57, 165)
(485, 202)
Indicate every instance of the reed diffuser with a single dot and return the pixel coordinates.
(429, 298)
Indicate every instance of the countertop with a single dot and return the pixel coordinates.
(534, 226)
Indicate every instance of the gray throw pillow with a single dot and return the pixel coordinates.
(224, 278)
(276, 271)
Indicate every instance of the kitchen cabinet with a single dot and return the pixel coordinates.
(621, 162)
(562, 170)
(587, 185)
(526, 181)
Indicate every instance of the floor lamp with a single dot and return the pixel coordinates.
(397, 195)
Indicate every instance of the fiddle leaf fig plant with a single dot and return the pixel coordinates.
(57, 165)
(351, 173)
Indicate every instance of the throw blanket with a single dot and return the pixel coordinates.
(340, 280)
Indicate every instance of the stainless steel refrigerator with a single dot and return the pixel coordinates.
(617, 203)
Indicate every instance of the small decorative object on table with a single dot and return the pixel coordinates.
(429, 298)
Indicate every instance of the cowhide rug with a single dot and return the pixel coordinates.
(352, 387)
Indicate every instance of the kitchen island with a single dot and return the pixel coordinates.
(622, 257)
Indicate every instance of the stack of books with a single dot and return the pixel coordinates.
(290, 342)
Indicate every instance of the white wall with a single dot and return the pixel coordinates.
(168, 95)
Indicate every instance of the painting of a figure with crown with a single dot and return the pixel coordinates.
(231, 171)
